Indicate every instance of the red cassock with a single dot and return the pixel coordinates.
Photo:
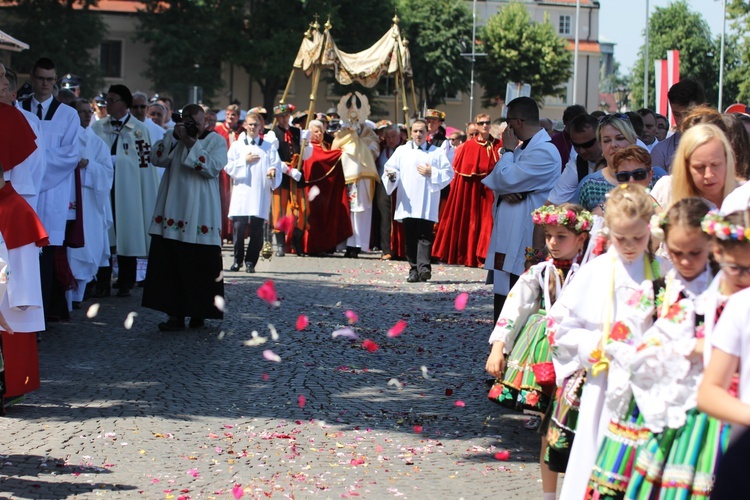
(466, 220)
(328, 222)
(225, 183)
(16, 137)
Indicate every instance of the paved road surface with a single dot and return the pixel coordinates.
(134, 413)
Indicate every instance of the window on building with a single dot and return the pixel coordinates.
(564, 25)
(110, 58)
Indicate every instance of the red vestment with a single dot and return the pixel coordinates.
(225, 182)
(328, 222)
(466, 220)
(16, 137)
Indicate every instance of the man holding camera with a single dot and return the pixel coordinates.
(134, 190)
(184, 274)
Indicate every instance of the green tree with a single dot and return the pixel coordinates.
(676, 27)
(520, 50)
(438, 32)
(737, 74)
(187, 40)
(66, 31)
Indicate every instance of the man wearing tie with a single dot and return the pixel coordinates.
(134, 190)
(60, 128)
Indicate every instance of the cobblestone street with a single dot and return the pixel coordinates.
(135, 413)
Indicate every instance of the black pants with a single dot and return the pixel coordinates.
(53, 294)
(418, 236)
(254, 246)
(733, 465)
(383, 202)
(127, 270)
(500, 299)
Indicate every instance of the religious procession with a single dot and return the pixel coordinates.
(616, 245)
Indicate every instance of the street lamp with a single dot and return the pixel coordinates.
(621, 97)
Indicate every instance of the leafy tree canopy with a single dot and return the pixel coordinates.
(520, 50)
(66, 31)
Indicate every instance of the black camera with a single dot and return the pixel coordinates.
(190, 127)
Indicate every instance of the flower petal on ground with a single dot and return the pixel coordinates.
(397, 329)
(271, 356)
(461, 300)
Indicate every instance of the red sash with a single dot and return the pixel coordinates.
(19, 224)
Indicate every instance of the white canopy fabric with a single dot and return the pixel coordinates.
(7, 42)
(365, 67)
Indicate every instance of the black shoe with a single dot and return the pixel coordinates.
(197, 323)
(124, 292)
(76, 305)
(413, 277)
(235, 267)
(173, 324)
(425, 275)
(249, 268)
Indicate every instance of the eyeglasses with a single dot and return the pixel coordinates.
(139, 106)
(111, 100)
(734, 269)
(585, 145)
(487, 122)
(43, 79)
(638, 174)
(614, 116)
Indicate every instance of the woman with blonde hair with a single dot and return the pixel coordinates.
(703, 166)
(615, 133)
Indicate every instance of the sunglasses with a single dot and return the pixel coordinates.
(735, 270)
(612, 117)
(638, 174)
(585, 145)
(484, 122)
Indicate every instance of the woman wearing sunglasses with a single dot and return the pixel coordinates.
(615, 133)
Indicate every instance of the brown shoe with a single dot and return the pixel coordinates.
(386, 256)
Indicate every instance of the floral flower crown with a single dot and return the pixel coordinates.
(715, 224)
(549, 215)
(656, 225)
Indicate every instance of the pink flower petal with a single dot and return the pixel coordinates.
(461, 300)
(264, 376)
(271, 356)
(351, 316)
(370, 345)
(418, 429)
(237, 491)
(301, 400)
(397, 329)
(460, 404)
(285, 224)
(502, 455)
(302, 322)
(267, 292)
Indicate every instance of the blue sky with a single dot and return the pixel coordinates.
(622, 22)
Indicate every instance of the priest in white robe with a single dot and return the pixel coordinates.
(419, 170)
(97, 175)
(184, 274)
(255, 168)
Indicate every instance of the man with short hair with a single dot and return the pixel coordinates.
(419, 170)
(60, 128)
(184, 276)
(561, 140)
(138, 109)
(230, 129)
(682, 96)
(168, 104)
(255, 169)
(521, 180)
(157, 112)
(210, 118)
(288, 198)
(649, 128)
(99, 103)
(134, 191)
(465, 227)
(589, 153)
(662, 127)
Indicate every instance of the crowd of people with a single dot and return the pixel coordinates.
(612, 247)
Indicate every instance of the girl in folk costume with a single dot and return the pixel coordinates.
(729, 339)
(651, 381)
(610, 289)
(529, 380)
